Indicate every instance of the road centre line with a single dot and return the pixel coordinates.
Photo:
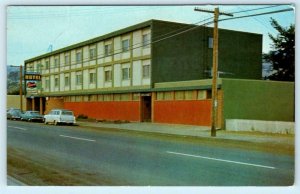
(18, 128)
(221, 160)
(78, 138)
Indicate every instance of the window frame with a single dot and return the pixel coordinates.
(78, 79)
(107, 75)
(148, 72)
(125, 48)
(127, 74)
(67, 59)
(78, 53)
(107, 50)
(67, 77)
(56, 62)
(56, 82)
(146, 43)
(92, 53)
(92, 79)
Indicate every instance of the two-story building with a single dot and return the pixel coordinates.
(154, 71)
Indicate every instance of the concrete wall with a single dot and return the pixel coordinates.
(261, 126)
(13, 101)
(258, 100)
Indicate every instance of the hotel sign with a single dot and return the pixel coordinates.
(35, 77)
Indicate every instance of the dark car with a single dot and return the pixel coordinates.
(32, 116)
(13, 114)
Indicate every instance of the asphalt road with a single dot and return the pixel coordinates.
(104, 157)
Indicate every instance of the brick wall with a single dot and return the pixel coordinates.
(54, 103)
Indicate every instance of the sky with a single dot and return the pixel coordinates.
(32, 29)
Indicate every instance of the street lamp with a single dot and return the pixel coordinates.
(21, 85)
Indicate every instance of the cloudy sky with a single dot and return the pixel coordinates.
(31, 30)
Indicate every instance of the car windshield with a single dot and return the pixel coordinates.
(67, 113)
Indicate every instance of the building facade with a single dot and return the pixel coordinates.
(144, 72)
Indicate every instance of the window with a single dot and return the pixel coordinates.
(210, 42)
(38, 68)
(67, 60)
(56, 62)
(78, 57)
(125, 73)
(67, 80)
(92, 78)
(146, 71)
(179, 95)
(146, 40)
(107, 50)
(125, 45)
(107, 97)
(47, 64)
(47, 84)
(78, 79)
(107, 75)
(92, 53)
(56, 82)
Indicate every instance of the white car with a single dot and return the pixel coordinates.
(59, 116)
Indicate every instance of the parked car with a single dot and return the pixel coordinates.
(32, 116)
(13, 114)
(60, 116)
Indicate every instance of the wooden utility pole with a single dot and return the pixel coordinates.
(214, 89)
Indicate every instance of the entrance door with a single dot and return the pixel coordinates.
(146, 108)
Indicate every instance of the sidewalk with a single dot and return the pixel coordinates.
(194, 131)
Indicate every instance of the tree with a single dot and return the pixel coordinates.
(282, 57)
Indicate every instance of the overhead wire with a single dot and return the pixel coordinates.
(178, 33)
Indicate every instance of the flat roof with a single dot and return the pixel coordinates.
(93, 40)
(112, 34)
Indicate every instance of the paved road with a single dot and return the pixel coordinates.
(125, 158)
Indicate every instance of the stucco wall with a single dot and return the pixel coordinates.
(258, 100)
(13, 101)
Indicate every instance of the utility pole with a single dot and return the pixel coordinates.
(21, 88)
(214, 89)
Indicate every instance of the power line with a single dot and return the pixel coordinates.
(255, 9)
(256, 19)
(158, 39)
(266, 13)
(176, 34)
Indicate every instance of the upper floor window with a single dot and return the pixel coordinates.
(125, 45)
(47, 66)
(67, 80)
(67, 60)
(38, 68)
(78, 79)
(146, 71)
(56, 82)
(78, 57)
(47, 84)
(56, 62)
(125, 73)
(146, 40)
(92, 53)
(107, 75)
(107, 50)
(92, 78)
